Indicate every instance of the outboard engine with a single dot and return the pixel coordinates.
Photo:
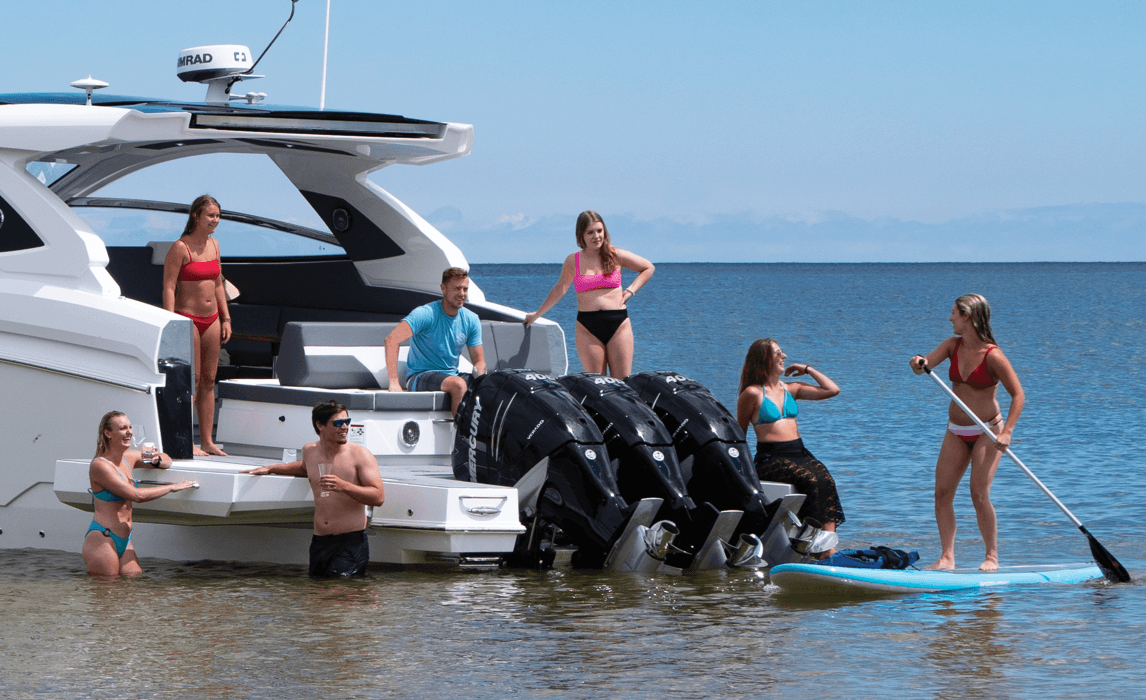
(640, 448)
(644, 459)
(520, 428)
(713, 454)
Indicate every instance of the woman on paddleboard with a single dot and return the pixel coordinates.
(604, 332)
(977, 368)
(193, 287)
(769, 406)
(107, 547)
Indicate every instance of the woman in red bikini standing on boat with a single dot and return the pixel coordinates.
(977, 368)
(604, 332)
(193, 287)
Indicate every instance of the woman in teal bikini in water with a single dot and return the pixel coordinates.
(107, 546)
(977, 368)
(769, 406)
(604, 332)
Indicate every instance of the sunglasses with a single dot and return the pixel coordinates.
(340, 423)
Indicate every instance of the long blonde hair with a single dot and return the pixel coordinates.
(975, 307)
(608, 255)
(105, 424)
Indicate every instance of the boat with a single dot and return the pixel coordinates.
(818, 580)
(82, 331)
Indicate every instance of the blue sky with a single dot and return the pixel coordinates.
(701, 131)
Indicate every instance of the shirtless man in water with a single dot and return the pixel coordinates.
(339, 547)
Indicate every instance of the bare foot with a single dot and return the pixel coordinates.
(199, 453)
(941, 565)
(991, 564)
(213, 449)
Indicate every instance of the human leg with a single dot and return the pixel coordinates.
(619, 351)
(590, 350)
(99, 555)
(954, 456)
(984, 464)
(209, 344)
(456, 387)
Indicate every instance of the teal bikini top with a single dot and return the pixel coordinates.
(108, 496)
(770, 412)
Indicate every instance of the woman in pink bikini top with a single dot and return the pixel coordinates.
(978, 366)
(604, 333)
(193, 287)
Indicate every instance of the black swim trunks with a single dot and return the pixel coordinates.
(342, 555)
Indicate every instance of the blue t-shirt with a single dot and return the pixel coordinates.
(438, 338)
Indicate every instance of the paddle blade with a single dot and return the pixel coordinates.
(1111, 568)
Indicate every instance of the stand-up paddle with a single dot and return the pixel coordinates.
(1110, 566)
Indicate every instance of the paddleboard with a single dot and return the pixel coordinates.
(816, 579)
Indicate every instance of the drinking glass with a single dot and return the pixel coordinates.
(323, 470)
(148, 451)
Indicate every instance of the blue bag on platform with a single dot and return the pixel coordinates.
(874, 558)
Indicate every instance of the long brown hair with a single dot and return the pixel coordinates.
(761, 355)
(975, 307)
(608, 255)
(105, 424)
(196, 209)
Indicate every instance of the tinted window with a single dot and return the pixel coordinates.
(15, 233)
(130, 227)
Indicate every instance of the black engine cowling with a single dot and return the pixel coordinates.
(713, 453)
(642, 452)
(511, 421)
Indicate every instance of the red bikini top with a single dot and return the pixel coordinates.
(979, 377)
(192, 271)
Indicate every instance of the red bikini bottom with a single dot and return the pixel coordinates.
(202, 323)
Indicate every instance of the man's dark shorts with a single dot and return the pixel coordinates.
(342, 555)
(432, 380)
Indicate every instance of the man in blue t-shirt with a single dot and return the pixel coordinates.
(437, 332)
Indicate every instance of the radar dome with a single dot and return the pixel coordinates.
(204, 63)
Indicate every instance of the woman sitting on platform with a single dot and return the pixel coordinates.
(769, 405)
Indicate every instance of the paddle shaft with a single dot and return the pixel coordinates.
(1016, 460)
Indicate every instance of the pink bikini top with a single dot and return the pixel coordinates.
(583, 283)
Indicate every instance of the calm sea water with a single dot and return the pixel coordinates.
(1075, 333)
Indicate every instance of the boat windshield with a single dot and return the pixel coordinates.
(264, 215)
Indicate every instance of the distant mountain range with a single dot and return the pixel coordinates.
(1067, 233)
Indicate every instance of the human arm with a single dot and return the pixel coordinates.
(171, 264)
(748, 406)
(806, 392)
(932, 358)
(1000, 366)
(296, 468)
(643, 267)
(477, 357)
(369, 490)
(161, 460)
(106, 477)
(556, 293)
(399, 335)
(221, 302)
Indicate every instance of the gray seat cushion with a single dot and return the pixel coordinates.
(353, 399)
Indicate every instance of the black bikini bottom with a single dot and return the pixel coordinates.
(603, 324)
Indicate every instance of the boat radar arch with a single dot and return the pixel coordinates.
(89, 85)
(218, 66)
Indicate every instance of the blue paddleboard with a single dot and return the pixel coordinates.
(816, 579)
